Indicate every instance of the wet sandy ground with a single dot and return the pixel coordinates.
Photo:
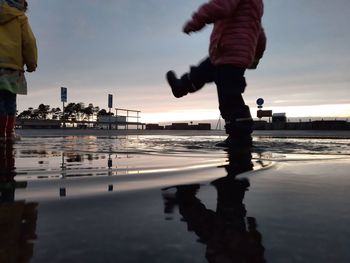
(165, 198)
(345, 134)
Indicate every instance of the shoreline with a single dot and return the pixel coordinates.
(321, 134)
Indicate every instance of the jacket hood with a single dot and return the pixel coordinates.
(8, 13)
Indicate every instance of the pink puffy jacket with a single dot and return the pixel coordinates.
(238, 37)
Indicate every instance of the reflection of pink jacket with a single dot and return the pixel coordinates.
(238, 37)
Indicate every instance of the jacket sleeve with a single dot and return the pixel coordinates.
(29, 47)
(261, 46)
(212, 11)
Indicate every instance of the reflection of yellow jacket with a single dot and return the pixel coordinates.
(17, 41)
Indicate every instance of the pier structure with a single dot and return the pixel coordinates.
(123, 118)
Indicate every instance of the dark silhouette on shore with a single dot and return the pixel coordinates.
(229, 235)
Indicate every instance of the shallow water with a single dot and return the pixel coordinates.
(174, 199)
(91, 165)
(78, 156)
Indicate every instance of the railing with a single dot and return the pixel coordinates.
(129, 114)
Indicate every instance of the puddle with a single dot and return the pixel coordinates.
(179, 197)
(72, 156)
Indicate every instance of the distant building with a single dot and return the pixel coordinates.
(307, 125)
(330, 125)
(186, 126)
(38, 124)
(259, 125)
(279, 117)
(104, 122)
(152, 126)
(180, 126)
(279, 121)
(204, 126)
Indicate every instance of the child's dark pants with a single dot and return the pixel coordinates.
(7, 103)
(7, 113)
(230, 83)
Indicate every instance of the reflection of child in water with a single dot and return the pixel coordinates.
(17, 218)
(17, 227)
(229, 235)
(7, 172)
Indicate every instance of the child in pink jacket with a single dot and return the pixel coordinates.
(237, 43)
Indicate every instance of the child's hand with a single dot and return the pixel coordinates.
(190, 26)
(255, 64)
(30, 69)
(187, 28)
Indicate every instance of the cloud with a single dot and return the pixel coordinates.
(125, 47)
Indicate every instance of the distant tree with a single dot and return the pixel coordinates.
(34, 115)
(88, 111)
(30, 113)
(72, 111)
(26, 114)
(95, 112)
(78, 110)
(69, 111)
(55, 113)
(103, 112)
(42, 111)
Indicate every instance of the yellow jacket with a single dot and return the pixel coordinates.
(17, 41)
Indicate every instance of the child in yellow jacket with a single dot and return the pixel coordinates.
(17, 49)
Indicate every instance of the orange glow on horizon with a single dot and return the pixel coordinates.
(314, 111)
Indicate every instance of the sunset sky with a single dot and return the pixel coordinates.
(125, 47)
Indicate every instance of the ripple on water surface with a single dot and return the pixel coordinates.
(90, 155)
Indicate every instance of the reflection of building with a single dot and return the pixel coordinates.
(180, 126)
(67, 170)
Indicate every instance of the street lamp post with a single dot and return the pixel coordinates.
(63, 100)
(110, 106)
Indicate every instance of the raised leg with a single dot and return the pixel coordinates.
(192, 81)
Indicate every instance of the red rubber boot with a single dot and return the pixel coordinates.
(10, 129)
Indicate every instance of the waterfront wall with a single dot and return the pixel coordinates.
(312, 125)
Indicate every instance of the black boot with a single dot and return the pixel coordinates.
(238, 126)
(239, 133)
(236, 142)
(179, 87)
